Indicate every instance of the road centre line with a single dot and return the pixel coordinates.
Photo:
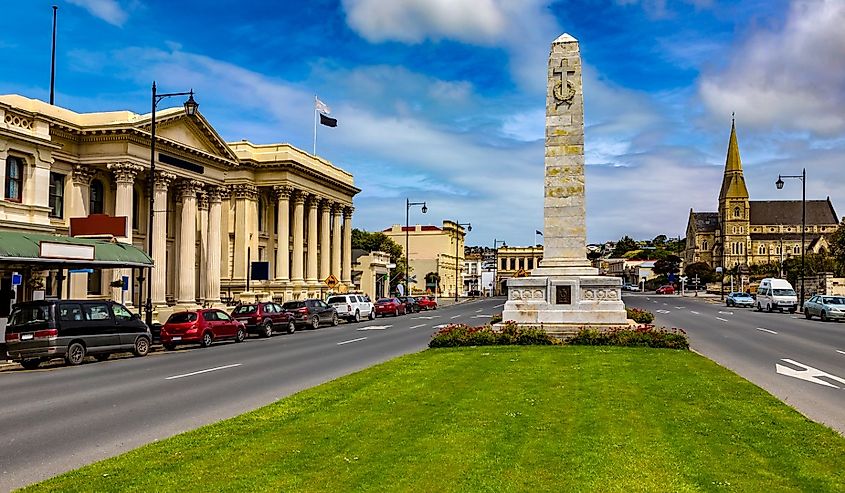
(767, 330)
(174, 377)
(722, 319)
(726, 313)
(418, 326)
(679, 307)
(840, 352)
(479, 310)
(375, 327)
(353, 340)
(694, 312)
(453, 318)
(497, 306)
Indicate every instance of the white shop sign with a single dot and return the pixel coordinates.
(66, 251)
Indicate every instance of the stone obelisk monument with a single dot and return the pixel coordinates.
(565, 291)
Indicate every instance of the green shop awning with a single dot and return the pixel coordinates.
(56, 251)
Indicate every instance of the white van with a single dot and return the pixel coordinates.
(776, 294)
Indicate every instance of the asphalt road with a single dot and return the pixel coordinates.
(802, 362)
(60, 418)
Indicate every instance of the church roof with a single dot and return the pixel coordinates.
(733, 184)
(706, 221)
(765, 212)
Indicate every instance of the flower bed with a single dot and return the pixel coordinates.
(455, 335)
(643, 336)
(640, 316)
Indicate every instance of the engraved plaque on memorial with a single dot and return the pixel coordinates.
(563, 295)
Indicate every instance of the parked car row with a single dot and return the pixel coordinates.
(404, 305)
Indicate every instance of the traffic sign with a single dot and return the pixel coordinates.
(331, 281)
(17, 279)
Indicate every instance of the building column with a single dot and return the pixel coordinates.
(212, 259)
(311, 270)
(79, 204)
(346, 269)
(283, 233)
(298, 237)
(188, 243)
(202, 232)
(159, 274)
(336, 215)
(246, 228)
(325, 239)
(124, 177)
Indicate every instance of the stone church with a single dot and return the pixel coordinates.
(746, 232)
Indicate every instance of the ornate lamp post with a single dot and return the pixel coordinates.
(779, 184)
(457, 267)
(190, 110)
(408, 205)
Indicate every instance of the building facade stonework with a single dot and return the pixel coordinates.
(218, 206)
(744, 232)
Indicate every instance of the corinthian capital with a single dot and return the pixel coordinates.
(82, 174)
(282, 192)
(189, 188)
(163, 179)
(124, 172)
(347, 212)
(244, 191)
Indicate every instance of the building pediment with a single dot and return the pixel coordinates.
(194, 132)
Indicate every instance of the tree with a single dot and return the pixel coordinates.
(372, 242)
(837, 248)
(702, 270)
(659, 240)
(669, 265)
(623, 246)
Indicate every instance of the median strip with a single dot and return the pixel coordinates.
(353, 340)
(174, 377)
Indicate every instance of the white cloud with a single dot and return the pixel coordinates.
(107, 10)
(792, 77)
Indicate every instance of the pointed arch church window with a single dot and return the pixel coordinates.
(737, 212)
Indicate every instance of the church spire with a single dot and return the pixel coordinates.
(733, 183)
(733, 163)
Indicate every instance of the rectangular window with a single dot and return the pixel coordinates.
(57, 195)
(504, 264)
(522, 263)
(14, 178)
(531, 263)
(513, 264)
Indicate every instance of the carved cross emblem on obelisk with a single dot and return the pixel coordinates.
(565, 74)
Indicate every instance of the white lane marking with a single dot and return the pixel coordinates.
(722, 319)
(767, 330)
(667, 304)
(174, 377)
(482, 316)
(654, 301)
(694, 313)
(808, 373)
(430, 317)
(353, 340)
(441, 326)
(679, 307)
(726, 313)
(840, 352)
(456, 316)
(479, 310)
(662, 311)
(375, 327)
(418, 326)
(497, 306)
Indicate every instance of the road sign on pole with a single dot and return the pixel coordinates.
(331, 281)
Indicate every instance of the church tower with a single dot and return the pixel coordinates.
(734, 210)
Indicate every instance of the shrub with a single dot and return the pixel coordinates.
(511, 334)
(643, 336)
(640, 316)
(496, 319)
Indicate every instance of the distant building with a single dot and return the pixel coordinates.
(511, 261)
(433, 253)
(746, 232)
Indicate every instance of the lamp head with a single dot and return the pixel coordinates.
(191, 105)
(469, 227)
(424, 208)
(779, 183)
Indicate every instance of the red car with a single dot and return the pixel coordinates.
(390, 306)
(666, 289)
(264, 318)
(427, 302)
(200, 326)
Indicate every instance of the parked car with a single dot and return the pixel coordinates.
(740, 299)
(825, 307)
(264, 318)
(427, 302)
(666, 289)
(311, 313)
(776, 294)
(71, 329)
(200, 326)
(352, 307)
(390, 306)
(412, 304)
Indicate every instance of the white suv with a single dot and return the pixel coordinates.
(352, 307)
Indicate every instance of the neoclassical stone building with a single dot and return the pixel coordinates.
(219, 206)
(746, 232)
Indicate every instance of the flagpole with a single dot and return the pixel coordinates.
(315, 125)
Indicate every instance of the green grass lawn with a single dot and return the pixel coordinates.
(539, 419)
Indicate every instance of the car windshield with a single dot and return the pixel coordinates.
(293, 305)
(28, 315)
(181, 318)
(783, 292)
(336, 299)
(245, 309)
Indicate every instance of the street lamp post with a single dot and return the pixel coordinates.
(457, 243)
(779, 184)
(190, 110)
(496, 268)
(408, 205)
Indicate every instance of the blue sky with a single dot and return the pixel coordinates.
(443, 100)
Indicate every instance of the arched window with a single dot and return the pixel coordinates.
(704, 245)
(14, 179)
(737, 212)
(95, 196)
(761, 250)
(796, 250)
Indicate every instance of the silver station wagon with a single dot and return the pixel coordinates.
(825, 307)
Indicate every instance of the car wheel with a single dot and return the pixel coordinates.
(267, 330)
(396, 313)
(807, 314)
(142, 347)
(315, 322)
(291, 327)
(75, 353)
(823, 317)
(769, 308)
(169, 347)
(792, 310)
(30, 364)
(728, 303)
(240, 335)
(207, 339)
(357, 317)
(372, 315)
(102, 357)
(334, 319)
